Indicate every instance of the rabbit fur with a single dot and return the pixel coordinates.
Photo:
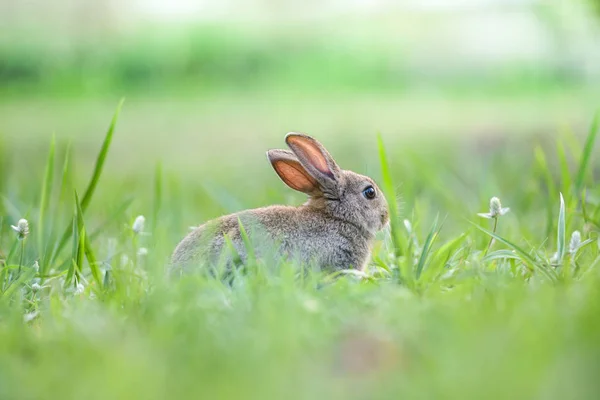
(333, 230)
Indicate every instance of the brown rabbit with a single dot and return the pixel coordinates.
(334, 229)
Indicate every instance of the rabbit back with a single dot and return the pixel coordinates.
(303, 233)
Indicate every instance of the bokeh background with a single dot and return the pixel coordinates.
(472, 99)
(210, 85)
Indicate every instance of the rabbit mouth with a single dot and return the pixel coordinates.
(384, 219)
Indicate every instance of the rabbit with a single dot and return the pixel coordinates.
(334, 229)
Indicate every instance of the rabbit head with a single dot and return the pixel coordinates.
(341, 194)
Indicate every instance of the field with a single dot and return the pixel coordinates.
(439, 317)
(461, 299)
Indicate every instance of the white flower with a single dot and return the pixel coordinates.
(22, 228)
(138, 225)
(80, 289)
(36, 287)
(496, 209)
(408, 226)
(142, 251)
(575, 242)
(30, 316)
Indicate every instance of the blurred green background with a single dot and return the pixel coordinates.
(210, 86)
(462, 93)
(203, 78)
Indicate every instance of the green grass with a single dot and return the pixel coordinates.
(435, 316)
(383, 56)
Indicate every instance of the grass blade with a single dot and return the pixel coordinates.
(66, 182)
(561, 239)
(544, 170)
(250, 255)
(80, 255)
(561, 230)
(235, 255)
(381, 264)
(45, 200)
(87, 197)
(87, 247)
(67, 175)
(89, 192)
(433, 233)
(444, 253)
(565, 174)
(19, 283)
(501, 254)
(74, 251)
(390, 194)
(525, 257)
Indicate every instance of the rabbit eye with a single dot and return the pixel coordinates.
(369, 192)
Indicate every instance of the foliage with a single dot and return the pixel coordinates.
(206, 59)
(435, 315)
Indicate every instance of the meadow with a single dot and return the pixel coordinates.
(462, 298)
(87, 309)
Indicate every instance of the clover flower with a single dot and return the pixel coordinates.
(496, 209)
(138, 224)
(79, 289)
(575, 243)
(22, 229)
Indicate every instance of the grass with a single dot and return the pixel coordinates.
(435, 316)
(382, 55)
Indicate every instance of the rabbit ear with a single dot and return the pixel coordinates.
(291, 172)
(315, 158)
